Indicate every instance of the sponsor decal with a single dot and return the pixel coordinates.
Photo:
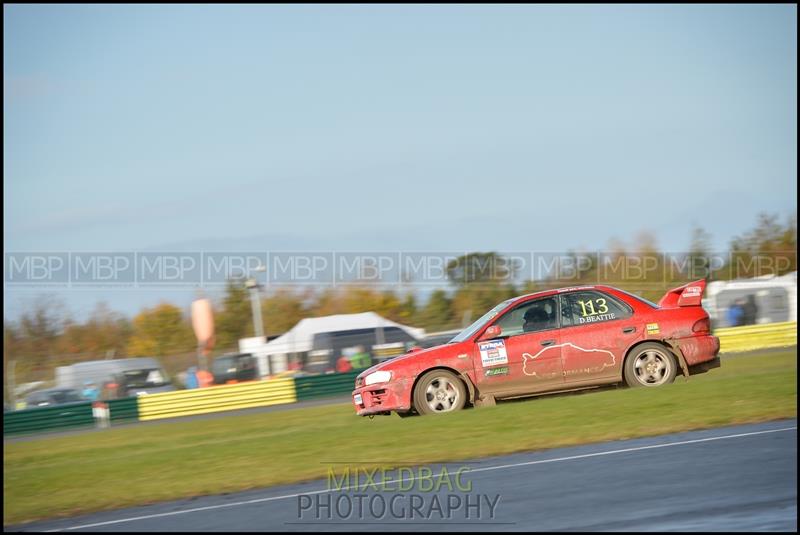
(491, 372)
(463, 356)
(493, 352)
(573, 288)
(692, 291)
(652, 328)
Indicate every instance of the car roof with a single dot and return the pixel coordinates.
(557, 291)
(54, 390)
(120, 364)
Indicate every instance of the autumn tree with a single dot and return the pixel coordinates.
(160, 331)
(234, 320)
(698, 262)
(437, 314)
(104, 332)
(477, 268)
(770, 248)
(282, 310)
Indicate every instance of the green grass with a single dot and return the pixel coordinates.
(143, 464)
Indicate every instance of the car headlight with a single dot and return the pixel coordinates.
(377, 377)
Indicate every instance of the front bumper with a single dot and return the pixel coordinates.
(382, 398)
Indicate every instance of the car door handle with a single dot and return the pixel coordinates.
(548, 342)
(628, 330)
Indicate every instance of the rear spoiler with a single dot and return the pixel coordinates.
(688, 295)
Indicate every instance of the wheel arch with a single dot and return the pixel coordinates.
(633, 347)
(461, 377)
(662, 342)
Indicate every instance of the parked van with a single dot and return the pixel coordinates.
(118, 377)
(316, 344)
(775, 298)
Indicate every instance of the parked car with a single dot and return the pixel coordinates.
(556, 340)
(117, 377)
(234, 368)
(52, 397)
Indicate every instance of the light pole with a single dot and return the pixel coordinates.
(252, 284)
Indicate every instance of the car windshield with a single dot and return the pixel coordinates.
(144, 378)
(66, 396)
(222, 364)
(483, 320)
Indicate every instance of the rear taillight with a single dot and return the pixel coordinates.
(701, 326)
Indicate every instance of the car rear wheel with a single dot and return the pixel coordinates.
(650, 364)
(439, 391)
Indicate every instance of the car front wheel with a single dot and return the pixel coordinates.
(439, 391)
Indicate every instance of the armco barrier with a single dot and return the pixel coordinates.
(48, 418)
(319, 386)
(751, 337)
(123, 409)
(216, 399)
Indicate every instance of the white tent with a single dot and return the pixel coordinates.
(300, 337)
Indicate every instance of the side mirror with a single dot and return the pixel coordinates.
(492, 332)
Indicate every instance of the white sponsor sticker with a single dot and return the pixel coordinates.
(357, 399)
(692, 291)
(493, 352)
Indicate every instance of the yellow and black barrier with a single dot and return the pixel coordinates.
(753, 337)
(216, 399)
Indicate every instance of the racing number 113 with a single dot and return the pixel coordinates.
(587, 307)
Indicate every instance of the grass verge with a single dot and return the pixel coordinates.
(143, 464)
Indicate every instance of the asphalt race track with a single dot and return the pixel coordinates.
(741, 478)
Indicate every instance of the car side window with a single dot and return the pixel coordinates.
(529, 317)
(38, 399)
(583, 308)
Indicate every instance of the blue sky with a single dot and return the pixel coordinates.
(390, 127)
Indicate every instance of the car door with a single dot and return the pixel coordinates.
(596, 330)
(526, 356)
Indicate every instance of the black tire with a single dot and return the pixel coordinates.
(438, 392)
(650, 365)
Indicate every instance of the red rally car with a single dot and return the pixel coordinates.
(550, 341)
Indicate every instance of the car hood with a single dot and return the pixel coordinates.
(420, 354)
(134, 391)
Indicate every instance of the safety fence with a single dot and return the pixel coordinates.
(320, 386)
(181, 403)
(123, 410)
(290, 390)
(48, 418)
